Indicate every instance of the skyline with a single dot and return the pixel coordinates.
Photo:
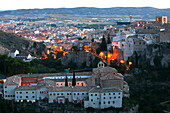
(32, 4)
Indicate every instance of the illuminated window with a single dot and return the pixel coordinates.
(44, 92)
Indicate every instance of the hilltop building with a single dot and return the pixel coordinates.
(102, 88)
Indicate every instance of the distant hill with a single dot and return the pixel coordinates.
(144, 12)
(9, 41)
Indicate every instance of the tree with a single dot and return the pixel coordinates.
(66, 81)
(74, 79)
(103, 45)
(108, 40)
(98, 50)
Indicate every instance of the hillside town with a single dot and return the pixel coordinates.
(104, 86)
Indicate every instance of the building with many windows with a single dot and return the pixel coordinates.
(102, 88)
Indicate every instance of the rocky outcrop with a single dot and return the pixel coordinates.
(3, 50)
(79, 58)
(151, 52)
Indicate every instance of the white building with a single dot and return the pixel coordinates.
(104, 88)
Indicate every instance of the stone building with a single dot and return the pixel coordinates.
(102, 88)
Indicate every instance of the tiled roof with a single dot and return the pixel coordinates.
(71, 89)
(95, 89)
(13, 80)
(110, 76)
(28, 88)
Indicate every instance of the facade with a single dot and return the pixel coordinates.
(161, 19)
(101, 88)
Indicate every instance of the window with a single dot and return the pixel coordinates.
(86, 93)
(77, 93)
(8, 95)
(20, 96)
(53, 93)
(17, 96)
(104, 94)
(110, 97)
(13, 95)
(113, 93)
(61, 84)
(61, 93)
(82, 93)
(108, 102)
(99, 102)
(104, 98)
(26, 96)
(77, 83)
(33, 96)
(20, 92)
(5, 91)
(50, 94)
(93, 103)
(103, 102)
(17, 92)
(74, 93)
(33, 92)
(119, 97)
(70, 93)
(91, 94)
(113, 102)
(91, 99)
(5, 86)
(67, 93)
(5, 95)
(95, 94)
(109, 93)
(119, 93)
(26, 92)
(58, 94)
(114, 97)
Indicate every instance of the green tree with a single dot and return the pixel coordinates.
(98, 50)
(103, 45)
(108, 39)
(74, 80)
(66, 81)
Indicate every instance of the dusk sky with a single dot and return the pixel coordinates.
(31, 4)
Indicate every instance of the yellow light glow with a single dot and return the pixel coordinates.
(113, 59)
(21, 100)
(27, 100)
(33, 100)
(17, 100)
(130, 63)
(122, 61)
(48, 52)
